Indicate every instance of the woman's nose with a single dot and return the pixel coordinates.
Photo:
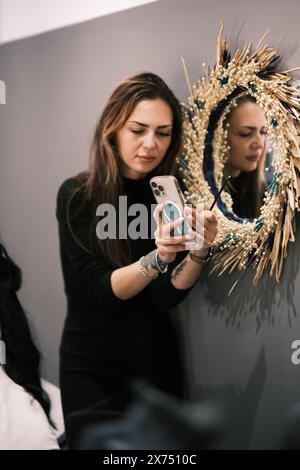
(258, 141)
(149, 140)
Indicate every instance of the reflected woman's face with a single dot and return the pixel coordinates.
(246, 137)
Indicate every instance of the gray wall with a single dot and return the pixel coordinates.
(57, 84)
(238, 349)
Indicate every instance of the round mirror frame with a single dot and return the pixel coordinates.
(261, 242)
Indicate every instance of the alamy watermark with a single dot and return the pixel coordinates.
(2, 353)
(2, 92)
(114, 224)
(295, 358)
(137, 228)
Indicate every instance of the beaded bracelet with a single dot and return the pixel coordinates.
(199, 259)
(144, 272)
(196, 259)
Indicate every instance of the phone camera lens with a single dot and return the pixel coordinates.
(153, 184)
(161, 188)
(157, 192)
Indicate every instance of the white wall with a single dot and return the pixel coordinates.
(23, 18)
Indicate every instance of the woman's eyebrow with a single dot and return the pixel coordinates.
(254, 127)
(146, 125)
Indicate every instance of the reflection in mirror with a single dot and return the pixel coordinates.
(242, 120)
(249, 157)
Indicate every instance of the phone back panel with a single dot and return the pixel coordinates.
(166, 191)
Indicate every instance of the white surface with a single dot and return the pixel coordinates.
(23, 18)
(23, 423)
(56, 407)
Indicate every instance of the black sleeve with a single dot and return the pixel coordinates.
(163, 294)
(91, 271)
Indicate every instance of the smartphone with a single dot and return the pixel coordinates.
(167, 191)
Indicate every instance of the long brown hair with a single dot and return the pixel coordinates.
(102, 183)
(248, 188)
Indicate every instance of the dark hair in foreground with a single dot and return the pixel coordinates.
(103, 181)
(22, 356)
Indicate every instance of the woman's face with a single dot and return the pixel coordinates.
(145, 138)
(246, 138)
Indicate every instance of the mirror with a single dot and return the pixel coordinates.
(243, 120)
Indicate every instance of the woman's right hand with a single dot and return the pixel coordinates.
(168, 246)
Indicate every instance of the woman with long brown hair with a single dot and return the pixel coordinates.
(120, 287)
(247, 132)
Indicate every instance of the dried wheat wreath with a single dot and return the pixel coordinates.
(261, 242)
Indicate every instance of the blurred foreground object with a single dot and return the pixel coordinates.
(154, 421)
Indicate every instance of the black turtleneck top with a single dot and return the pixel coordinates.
(92, 305)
